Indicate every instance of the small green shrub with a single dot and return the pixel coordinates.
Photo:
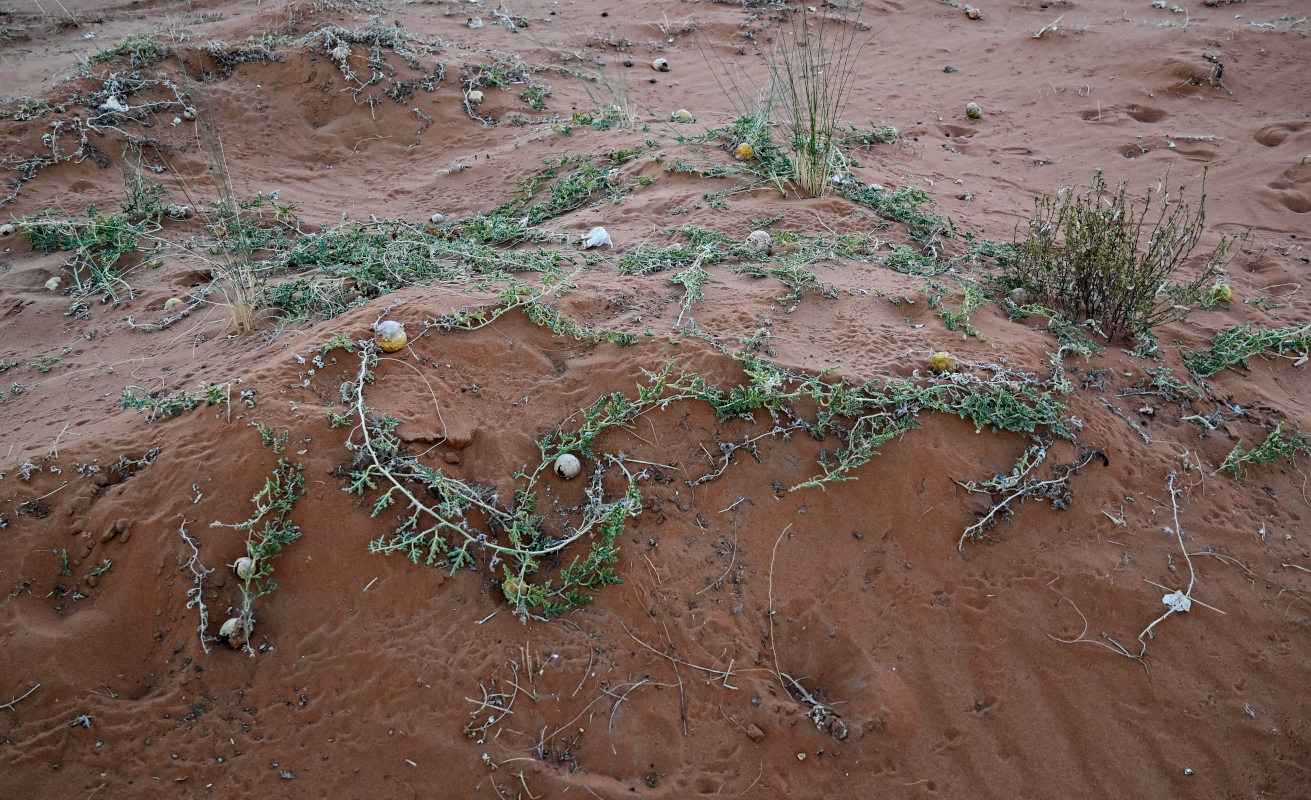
(141, 52)
(1098, 257)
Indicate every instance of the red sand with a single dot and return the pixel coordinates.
(946, 669)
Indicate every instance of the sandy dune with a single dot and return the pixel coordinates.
(763, 640)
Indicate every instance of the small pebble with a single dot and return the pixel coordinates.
(52, 285)
(950, 68)
(628, 62)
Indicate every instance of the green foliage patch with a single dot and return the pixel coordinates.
(1097, 256)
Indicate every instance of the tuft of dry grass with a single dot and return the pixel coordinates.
(813, 68)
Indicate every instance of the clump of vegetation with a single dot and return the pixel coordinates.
(99, 242)
(520, 295)
(448, 522)
(382, 79)
(1278, 445)
(141, 52)
(909, 205)
(504, 71)
(440, 515)
(158, 405)
(1021, 485)
(273, 506)
(813, 68)
(1096, 256)
(1236, 345)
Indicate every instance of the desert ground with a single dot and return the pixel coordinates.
(855, 512)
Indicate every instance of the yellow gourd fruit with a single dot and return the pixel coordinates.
(390, 335)
(513, 589)
(744, 151)
(943, 362)
(1222, 293)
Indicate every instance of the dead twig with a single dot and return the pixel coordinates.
(619, 699)
(721, 674)
(195, 594)
(732, 558)
(16, 700)
(772, 554)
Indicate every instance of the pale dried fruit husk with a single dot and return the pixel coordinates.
(596, 237)
(236, 632)
(567, 465)
(759, 242)
(244, 567)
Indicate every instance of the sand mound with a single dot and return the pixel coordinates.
(799, 561)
